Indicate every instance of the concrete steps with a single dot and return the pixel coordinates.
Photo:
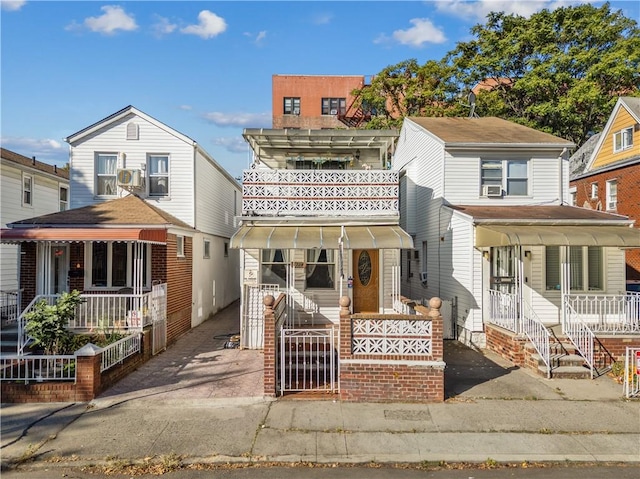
(565, 361)
(8, 337)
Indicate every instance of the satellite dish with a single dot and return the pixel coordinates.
(472, 103)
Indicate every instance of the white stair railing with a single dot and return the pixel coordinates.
(582, 337)
(537, 334)
(504, 309)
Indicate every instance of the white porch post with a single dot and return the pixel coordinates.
(519, 276)
(565, 281)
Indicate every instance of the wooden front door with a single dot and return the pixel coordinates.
(365, 281)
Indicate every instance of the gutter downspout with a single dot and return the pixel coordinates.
(561, 158)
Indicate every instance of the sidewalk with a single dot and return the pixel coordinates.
(204, 403)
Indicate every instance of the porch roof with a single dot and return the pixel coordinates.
(64, 235)
(557, 235)
(323, 237)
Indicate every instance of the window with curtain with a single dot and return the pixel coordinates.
(334, 106)
(320, 268)
(291, 106)
(106, 169)
(158, 175)
(112, 264)
(586, 265)
(273, 267)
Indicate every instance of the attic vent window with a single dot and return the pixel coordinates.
(132, 131)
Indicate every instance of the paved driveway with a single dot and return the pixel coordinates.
(197, 366)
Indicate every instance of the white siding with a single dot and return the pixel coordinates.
(152, 140)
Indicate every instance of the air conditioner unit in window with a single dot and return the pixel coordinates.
(296, 111)
(128, 177)
(423, 277)
(334, 112)
(492, 190)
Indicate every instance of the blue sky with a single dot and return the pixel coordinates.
(204, 68)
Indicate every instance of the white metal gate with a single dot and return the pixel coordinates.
(308, 360)
(159, 317)
(632, 373)
(252, 328)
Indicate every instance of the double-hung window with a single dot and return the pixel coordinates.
(612, 195)
(112, 264)
(27, 190)
(320, 270)
(274, 267)
(334, 106)
(623, 139)
(291, 106)
(106, 169)
(510, 175)
(158, 175)
(585, 265)
(64, 198)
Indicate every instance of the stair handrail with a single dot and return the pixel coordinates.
(23, 340)
(579, 333)
(538, 335)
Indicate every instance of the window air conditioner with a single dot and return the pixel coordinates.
(128, 177)
(334, 112)
(296, 111)
(492, 190)
(423, 277)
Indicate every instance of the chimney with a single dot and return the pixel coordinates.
(34, 160)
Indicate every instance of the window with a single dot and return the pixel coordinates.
(586, 268)
(180, 246)
(274, 266)
(27, 190)
(292, 106)
(594, 191)
(510, 175)
(132, 131)
(106, 174)
(226, 250)
(320, 268)
(64, 198)
(409, 273)
(623, 140)
(573, 196)
(112, 264)
(612, 194)
(207, 249)
(158, 175)
(334, 106)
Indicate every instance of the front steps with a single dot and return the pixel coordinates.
(565, 361)
(8, 337)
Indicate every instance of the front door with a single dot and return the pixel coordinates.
(59, 268)
(365, 281)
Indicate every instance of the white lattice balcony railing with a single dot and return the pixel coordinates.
(320, 192)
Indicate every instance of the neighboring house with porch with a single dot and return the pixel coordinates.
(132, 152)
(28, 188)
(605, 173)
(486, 203)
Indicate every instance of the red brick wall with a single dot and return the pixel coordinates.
(179, 276)
(76, 257)
(613, 348)
(506, 344)
(310, 89)
(28, 272)
(391, 377)
(628, 202)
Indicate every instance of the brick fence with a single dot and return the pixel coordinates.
(89, 381)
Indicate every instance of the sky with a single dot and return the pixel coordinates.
(204, 68)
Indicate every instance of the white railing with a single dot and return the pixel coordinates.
(10, 305)
(120, 350)
(320, 192)
(607, 314)
(301, 308)
(632, 373)
(580, 335)
(23, 339)
(406, 337)
(112, 311)
(504, 310)
(538, 334)
(38, 368)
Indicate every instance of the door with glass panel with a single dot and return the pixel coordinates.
(365, 281)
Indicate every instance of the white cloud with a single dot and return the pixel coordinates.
(12, 5)
(479, 9)
(185, 107)
(162, 26)
(322, 18)
(423, 31)
(234, 144)
(46, 150)
(209, 25)
(248, 120)
(113, 19)
(261, 36)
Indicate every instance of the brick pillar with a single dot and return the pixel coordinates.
(345, 327)
(437, 345)
(270, 347)
(88, 377)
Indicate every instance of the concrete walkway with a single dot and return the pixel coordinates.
(204, 403)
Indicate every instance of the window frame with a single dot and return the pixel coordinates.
(329, 104)
(291, 105)
(89, 266)
(582, 257)
(206, 248)
(63, 203)
(506, 177)
(594, 191)
(27, 192)
(180, 246)
(612, 198)
(99, 175)
(623, 139)
(151, 174)
(268, 265)
(331, 265)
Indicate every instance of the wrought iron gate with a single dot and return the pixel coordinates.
(308, 360)
(252, 328)
(159, 317)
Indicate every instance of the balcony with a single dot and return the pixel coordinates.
(320, 192)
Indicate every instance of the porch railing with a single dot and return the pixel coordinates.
(36, 368)
(320, 192)
(580, 334)
(606, 314)
(117, 352)
(504, 310)
(537, 334)
(10, 305)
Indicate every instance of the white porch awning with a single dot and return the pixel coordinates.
(323, 237)
(556, 235)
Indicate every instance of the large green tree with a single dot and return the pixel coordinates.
(558, 71)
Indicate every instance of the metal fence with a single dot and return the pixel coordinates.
(632, 373)
(120, 350)
(34, 368)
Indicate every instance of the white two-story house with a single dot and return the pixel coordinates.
(320, 221)
(486, 201)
